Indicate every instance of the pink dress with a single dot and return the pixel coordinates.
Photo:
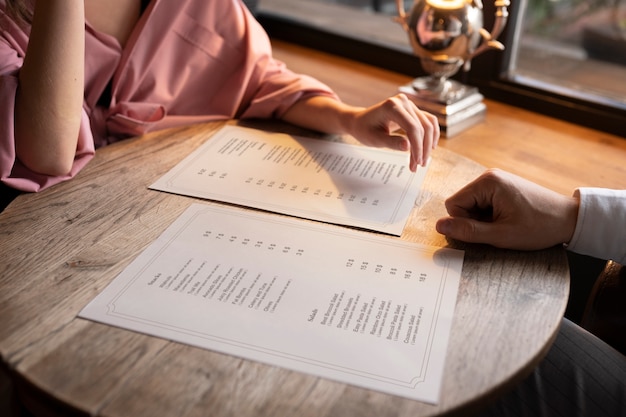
(187, 61)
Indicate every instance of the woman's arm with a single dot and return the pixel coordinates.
(51, 88)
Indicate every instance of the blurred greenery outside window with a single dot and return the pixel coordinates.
(565, 58)
(575, 45)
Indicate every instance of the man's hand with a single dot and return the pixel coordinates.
(504, 210)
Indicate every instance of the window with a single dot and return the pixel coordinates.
(578, 46)
(564, 58)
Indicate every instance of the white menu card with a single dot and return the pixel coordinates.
(352, 306)
(317, 179)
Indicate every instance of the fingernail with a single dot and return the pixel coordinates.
(443, 227)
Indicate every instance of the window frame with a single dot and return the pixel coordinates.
(487, 70)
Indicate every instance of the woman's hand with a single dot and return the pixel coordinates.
(397, 123)
(504, 210)
(394, 123)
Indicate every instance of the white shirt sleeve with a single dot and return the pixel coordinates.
(601, 225)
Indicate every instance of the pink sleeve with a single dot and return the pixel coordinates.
(278, 88)
(12, 172)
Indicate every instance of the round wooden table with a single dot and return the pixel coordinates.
(62, 246)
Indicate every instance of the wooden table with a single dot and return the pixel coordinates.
(63, 246)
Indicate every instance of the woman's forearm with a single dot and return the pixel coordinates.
(51, 88)
(321, 113)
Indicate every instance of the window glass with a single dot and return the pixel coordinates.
(575, 47)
